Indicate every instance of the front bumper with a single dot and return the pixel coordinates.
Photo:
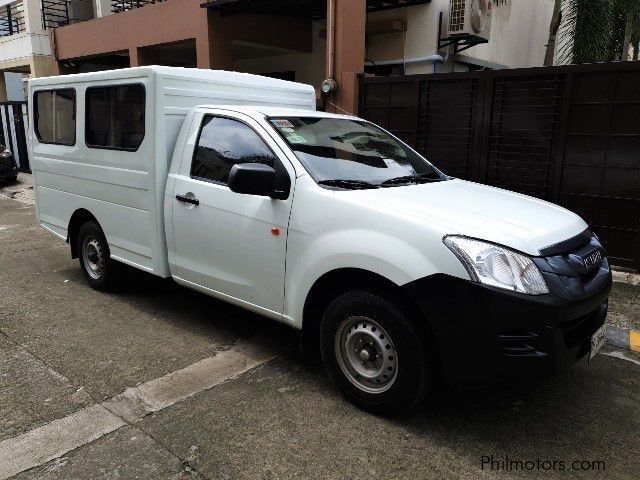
(484, 333)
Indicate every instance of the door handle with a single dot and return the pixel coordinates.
(184, 199)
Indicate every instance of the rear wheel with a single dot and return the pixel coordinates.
(99, 269)
(374, 353)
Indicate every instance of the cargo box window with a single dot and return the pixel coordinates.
(115, 117)
(55, 116)
(223, 142)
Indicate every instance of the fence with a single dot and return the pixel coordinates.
(13, 133)
(570, 135)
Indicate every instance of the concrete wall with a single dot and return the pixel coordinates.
(15, 87)
(179, 21)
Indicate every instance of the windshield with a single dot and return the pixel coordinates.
(346, 153)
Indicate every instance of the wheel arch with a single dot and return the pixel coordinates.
(333, 283)
(79, 217)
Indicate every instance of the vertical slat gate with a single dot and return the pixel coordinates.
(14, 132)
(601, 170)
(523, 133)
(393, 106)
(446, 124)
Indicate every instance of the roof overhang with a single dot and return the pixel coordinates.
(313, 9)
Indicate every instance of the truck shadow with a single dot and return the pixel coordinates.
(197, 312)
(575, 414)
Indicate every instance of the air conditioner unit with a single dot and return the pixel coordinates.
(470, 18)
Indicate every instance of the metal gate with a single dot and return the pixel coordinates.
(570, 135)
(13, 134)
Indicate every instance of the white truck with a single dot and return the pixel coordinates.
(233, 185)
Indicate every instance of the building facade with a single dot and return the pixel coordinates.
(302, 40)
(25, 26)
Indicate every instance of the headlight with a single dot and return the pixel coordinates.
(497, 266)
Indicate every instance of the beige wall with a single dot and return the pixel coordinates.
(309, 67)
(386, 46)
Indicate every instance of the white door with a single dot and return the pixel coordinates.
(231, 243)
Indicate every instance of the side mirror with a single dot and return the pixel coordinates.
(253, 179)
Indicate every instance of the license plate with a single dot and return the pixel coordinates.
(597, 341)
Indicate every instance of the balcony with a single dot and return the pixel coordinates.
(118, 6)
(59, 13)
(19, 40)
(12, 19)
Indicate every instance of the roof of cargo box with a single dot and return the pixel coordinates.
(178, 73)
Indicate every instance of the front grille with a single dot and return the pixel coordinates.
(520, 343)
(579, 330)
(590, 275)
(573, 270)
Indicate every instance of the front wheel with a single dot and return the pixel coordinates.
(99, 269)
(374, 353)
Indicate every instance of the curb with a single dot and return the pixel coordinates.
(626, 277)
(623, 338)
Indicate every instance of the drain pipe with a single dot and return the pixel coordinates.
(430, 58)
(330, 85)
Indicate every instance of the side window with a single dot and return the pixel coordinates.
(55, 116)
(222, 143)
(115, 117)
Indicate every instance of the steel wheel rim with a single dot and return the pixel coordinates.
(93, 257)
(366, 354)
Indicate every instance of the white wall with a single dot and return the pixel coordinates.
(23, 45)
(519, 33)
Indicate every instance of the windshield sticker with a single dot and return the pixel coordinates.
(293, 138)
(289, 130)
(282, 123)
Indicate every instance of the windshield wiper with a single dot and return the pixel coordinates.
(427, 177)
(352, 184)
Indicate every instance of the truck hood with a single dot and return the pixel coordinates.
(459, 207)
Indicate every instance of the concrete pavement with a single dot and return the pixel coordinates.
(66, 350)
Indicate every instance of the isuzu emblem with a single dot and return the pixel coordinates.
(592, 259)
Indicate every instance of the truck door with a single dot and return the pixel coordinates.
(233, 245)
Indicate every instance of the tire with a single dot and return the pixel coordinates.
(102, 273)
(375, 354)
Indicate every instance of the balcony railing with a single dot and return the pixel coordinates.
(58, 13)
(118, 6)
(11, 19)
